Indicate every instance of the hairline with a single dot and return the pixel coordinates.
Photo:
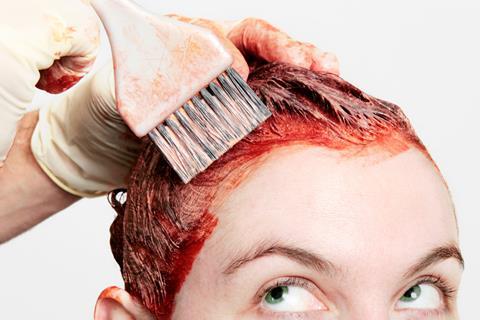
(241, 174)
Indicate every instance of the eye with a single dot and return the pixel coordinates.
(291, 298)
(420, 296)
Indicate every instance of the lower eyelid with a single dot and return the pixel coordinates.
(265, 314)
(424, 313)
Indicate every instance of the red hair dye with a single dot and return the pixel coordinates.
(163, 224)
(53, 85)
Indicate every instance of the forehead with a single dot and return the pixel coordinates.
(387, 207)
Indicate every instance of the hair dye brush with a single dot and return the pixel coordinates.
(173, 81)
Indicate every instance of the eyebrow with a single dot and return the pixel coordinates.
(319, 263)
(301, 256)
(434, 256)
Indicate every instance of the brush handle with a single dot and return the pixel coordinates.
(159, 63)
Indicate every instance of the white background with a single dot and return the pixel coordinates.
(422, 55)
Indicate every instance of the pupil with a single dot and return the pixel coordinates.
(412, 294)
(409, 293)
(277, 293)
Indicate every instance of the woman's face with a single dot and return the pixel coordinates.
(313, 235)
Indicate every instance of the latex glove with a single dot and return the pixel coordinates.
(59, 37)
(84, 146)
(81, 142)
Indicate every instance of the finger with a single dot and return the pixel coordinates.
(23, 135)
(64, 73)
(325, 62)
(261, 41)
(74, 42)
(258, 39)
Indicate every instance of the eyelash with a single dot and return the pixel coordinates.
(286, 281)
(440, 283)
(445, 288)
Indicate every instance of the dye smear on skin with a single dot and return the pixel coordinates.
(183, 258)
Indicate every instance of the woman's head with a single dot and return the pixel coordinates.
(331, 208)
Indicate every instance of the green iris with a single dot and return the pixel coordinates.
(411, 294)
(276, 295)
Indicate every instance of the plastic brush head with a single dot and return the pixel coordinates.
(160, 63)
(209, 124)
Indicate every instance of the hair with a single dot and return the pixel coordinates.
(162, 223)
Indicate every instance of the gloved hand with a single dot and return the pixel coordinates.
(59, 37)
(255, 41)
(84, 146)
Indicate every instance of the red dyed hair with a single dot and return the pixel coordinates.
(163, 223)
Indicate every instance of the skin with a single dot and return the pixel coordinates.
(374, 217)
(21, 204)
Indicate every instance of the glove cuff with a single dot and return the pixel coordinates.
(57, 164)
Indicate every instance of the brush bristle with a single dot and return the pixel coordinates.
(209, 124)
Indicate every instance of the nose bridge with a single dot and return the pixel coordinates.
(367, 301)
(372, 311)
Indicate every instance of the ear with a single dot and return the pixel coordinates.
(117, 304)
